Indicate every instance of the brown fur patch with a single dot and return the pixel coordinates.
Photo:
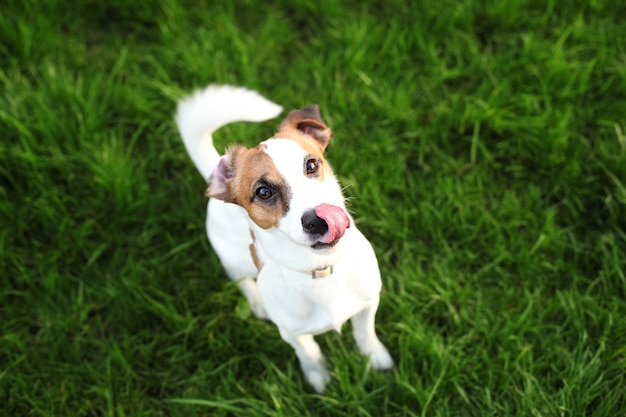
(306, 127)
(253, 169)
(308, 121)
(310, 146)
(253, 254)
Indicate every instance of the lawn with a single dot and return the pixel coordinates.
(483, 148)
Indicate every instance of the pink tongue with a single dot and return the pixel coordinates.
(337, 220)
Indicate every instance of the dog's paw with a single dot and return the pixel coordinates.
(381, 359)
(317, 377)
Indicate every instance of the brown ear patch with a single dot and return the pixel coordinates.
(307, 121)
(222, 175)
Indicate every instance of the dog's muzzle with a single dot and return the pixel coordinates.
(325, 224)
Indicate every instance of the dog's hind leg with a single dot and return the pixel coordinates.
(249, 289)
(311, 359)
(367, 341)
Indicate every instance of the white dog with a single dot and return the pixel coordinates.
(278, 222)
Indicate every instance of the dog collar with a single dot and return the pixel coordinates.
(322, 272)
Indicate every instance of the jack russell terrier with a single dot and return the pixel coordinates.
(278, 223)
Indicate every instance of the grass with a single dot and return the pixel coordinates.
(483, 144)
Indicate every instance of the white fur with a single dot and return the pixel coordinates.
(205, 111)
(284, 290)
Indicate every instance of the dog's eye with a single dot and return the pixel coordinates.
(311, 166)
(263, 193)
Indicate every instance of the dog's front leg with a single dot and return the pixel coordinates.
(310, 357)
(249, 289)
(366, 339)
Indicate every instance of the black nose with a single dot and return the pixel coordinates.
(312, 224)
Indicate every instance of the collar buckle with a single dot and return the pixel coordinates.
(322, 272)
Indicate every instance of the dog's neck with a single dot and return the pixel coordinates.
(323, 272)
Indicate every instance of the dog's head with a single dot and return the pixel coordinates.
(285, 184)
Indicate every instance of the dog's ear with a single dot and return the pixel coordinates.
(309, 122)
(219, 182)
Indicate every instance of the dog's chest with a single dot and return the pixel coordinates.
(333, 302)
(313, 305)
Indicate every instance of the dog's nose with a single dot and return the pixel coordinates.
(312, 224)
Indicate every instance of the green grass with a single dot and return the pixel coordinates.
(483, 144)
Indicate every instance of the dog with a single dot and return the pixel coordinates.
(278, 222)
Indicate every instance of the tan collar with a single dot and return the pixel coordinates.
(322, 272)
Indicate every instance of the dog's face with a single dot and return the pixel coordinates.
(285, 184)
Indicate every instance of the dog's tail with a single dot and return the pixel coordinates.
(203, 112)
